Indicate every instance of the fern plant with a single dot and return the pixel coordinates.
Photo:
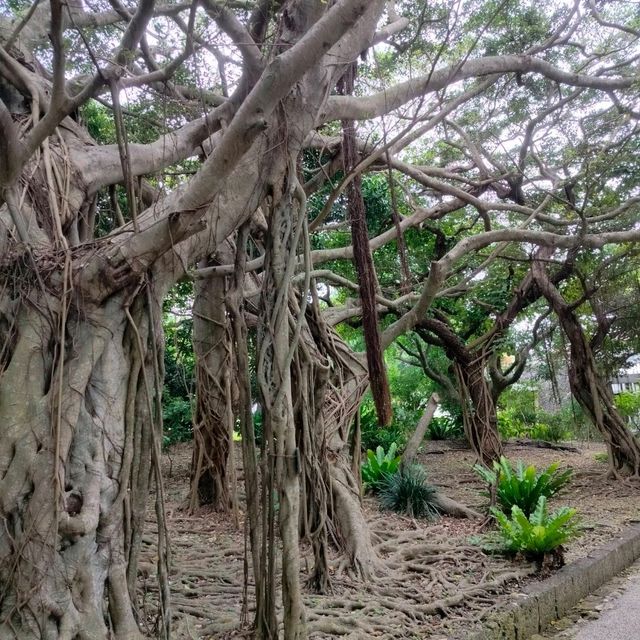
(408, 492)
(523, 486)
(539, 534)
(379, 466)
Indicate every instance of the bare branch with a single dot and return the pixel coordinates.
(380, 103)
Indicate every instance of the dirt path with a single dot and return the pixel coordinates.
(434, 583)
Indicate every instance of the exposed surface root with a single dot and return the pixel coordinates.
(428, 578)
(431, 579)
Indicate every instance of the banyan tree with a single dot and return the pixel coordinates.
(95, 232)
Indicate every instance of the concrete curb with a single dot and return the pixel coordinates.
(542, 602)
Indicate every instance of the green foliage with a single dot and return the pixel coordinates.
(408, 492)
(509, 427)
(541, 425)
(99, 122)
(179, 365)
(628, 404)
(409, 391)
(176, 419)
(539, 533)
(444, 428)
(374, 436)
(516, 412)
(379, 466)
(523, 486)
(554, 431)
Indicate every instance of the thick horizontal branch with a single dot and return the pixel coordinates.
(102, 166)
(440, 269)
(360, 108)
(274, 84)
(320, 256)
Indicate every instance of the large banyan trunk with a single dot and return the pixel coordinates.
(213, 419)
(77, 387)
(330, 380)
(479, 410)
(587, 386)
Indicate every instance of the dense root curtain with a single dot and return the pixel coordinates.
(277, 340)
(77, 398)
(330, 380)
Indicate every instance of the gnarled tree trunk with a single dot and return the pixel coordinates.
(213, 419)
(479, 410)
(341, 381)
(587, 386)
(76, 430)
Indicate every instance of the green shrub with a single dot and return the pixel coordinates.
(522, 486)
(509, 424)
(554, 431)
(444, 428)
(378, 466)
(516, 412)
(538, 534)
(517, 421)
(374, 436)
(408, 492)
(628, 404)
(176, 418)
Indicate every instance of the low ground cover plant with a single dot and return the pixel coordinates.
(523, 486)
(540, 535)
(408, 492)
(379, 466)
(444, 428)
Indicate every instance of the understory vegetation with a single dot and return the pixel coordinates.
(523, 485)
(407, 491)
(538, 534)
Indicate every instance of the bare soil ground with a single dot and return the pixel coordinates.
(434, 583)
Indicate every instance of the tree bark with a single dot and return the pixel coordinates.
(479, 410)
(276, 343)
(74, 466)
(411, 450)
(213, 419)
(478, 407)
(342, 394)
(587, 386)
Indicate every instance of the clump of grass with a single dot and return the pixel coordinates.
(408, 492)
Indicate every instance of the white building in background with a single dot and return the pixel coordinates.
(627, 380)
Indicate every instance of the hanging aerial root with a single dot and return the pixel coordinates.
(367, 279)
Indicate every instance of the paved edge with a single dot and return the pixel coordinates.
(542, 602)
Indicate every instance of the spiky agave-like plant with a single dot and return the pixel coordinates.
(407, 491)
